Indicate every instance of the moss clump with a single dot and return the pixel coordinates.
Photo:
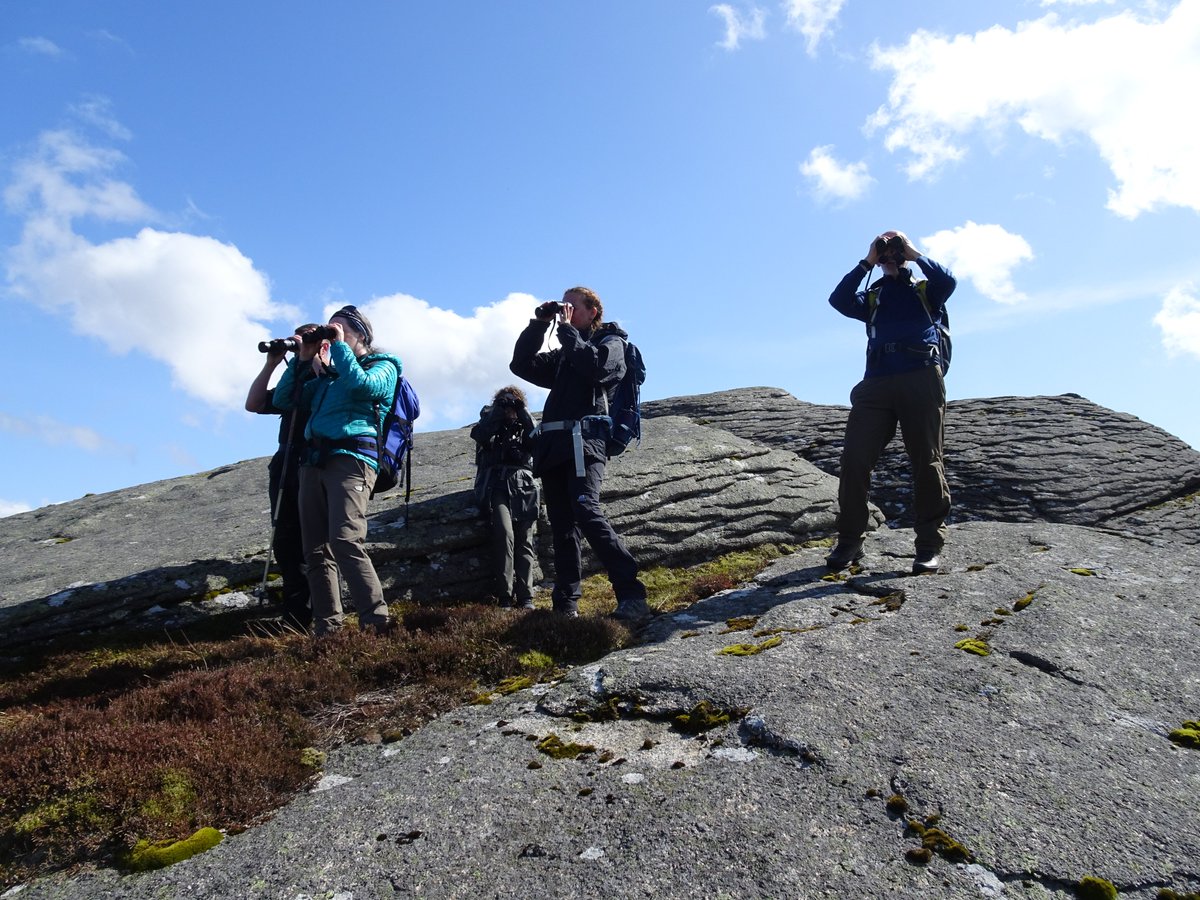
(918, 856)
(937, 841)
(896, 805)
(1002, 611)
(1092, 888)
(961, 627)
(891, 602)
(80, 809)
(1187, 736)
(1023, 602)
(1082, 571)
(535, 659)
(975, 645)
(739, 623)
(751, 649)
(146, 855)
(834, 576)
(554, 747)
(312, 757)
(704, 716)
(1168, 894)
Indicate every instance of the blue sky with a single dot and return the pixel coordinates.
(182, 180)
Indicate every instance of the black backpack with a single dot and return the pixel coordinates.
(625, 410)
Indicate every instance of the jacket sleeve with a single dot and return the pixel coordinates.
(599, 363)
(536, 368)
(284, 392)
(848, 299)
(376, 382)
(940, 282)
(485, 429)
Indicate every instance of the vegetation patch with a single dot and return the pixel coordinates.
(890, 602)
(935, 840)
(146, 855)
(1082, 571)
(1092, 888)
(1187, 736)
(554, 747)
(751, 649)
(1168, 894)
(739, 623)
(975, 645)
(1023, 602)
(702, 717)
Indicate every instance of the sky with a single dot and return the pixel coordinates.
(179, 181)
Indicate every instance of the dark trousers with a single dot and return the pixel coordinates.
(573, 506)
(289, 551)
(916, 401)
(512, 549)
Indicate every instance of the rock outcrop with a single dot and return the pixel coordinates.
(778, 740)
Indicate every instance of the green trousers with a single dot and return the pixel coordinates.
(916, 401)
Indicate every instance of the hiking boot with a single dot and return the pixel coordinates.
(527, 603)
(568, 609)
(847, 551)
(926, 562)
(632, 609)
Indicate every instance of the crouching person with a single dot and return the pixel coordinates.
(569, 456)
(507, 492)
(353, 386)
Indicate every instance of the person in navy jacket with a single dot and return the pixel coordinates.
(903, 385)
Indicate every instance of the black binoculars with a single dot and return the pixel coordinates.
(893, 247)
(289, 345)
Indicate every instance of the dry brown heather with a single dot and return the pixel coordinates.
(110, 740)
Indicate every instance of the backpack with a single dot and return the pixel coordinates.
(396, 440)
(625, 411)
(941, 323)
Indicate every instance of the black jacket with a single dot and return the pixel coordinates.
(576, 373)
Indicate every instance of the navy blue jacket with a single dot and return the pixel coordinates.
(902, 330)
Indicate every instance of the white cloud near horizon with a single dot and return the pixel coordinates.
(985, 255)
(739, 26)
(12, 507)
(55, 433)
(1179, 320)
(812, 18)
(834, 180)
(1114, 82)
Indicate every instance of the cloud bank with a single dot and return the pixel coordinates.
(1115, 82)
(1179, 319)
(739, 27)
(834, 180)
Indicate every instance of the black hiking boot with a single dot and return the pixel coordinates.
(847, 552)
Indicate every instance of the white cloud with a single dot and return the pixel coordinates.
(833, 179)
(812, 18)
(455, 362)
(180, 298)
(1179, 319)
(985, 255)
(739, 27)
(40, 45)
(12, 507)
(1115, 82)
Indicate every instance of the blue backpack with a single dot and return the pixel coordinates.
(625, 411)
(396, 440)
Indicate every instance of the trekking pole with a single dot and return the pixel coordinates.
(287, 462)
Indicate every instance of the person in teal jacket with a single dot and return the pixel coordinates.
(345, 402)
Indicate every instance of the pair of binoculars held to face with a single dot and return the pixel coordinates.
(890, 248)
(291, 345)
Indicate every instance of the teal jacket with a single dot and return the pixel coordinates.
(348, 400)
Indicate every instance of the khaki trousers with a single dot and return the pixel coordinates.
(916, 401)
(333, 524)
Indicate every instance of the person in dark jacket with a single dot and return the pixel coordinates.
(284, 481)
(507, 492)
(902, 385)
(569, 451)
(354, 383)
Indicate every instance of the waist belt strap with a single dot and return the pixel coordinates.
(576, 430)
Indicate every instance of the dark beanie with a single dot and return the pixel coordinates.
(360, 322)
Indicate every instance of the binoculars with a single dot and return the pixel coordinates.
(892, 247)
(290, 345)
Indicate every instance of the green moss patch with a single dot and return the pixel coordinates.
(702, 717)
(1082, 571)
(975, 645)
(751, 649)
(554, 747)
(1187, 736)
(1092, 888)
(146, 855)
(739, 623)
(935, 840)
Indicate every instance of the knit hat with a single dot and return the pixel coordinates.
(360, 322)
